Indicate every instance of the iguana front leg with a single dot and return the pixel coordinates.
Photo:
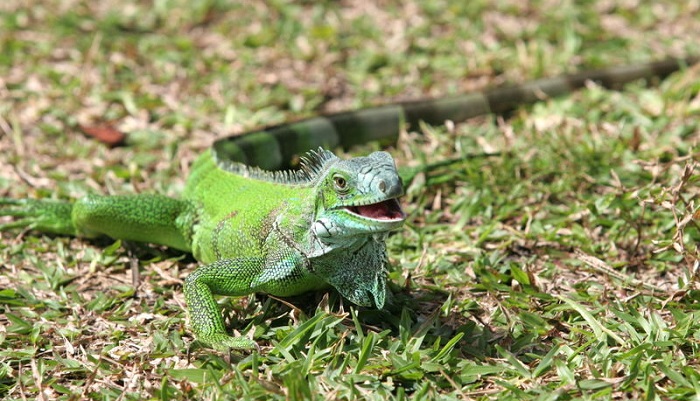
(279, 270)
(223, 277)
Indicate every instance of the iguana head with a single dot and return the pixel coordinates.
(358, 196)
(356, 205)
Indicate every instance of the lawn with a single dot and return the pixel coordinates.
(562, 267)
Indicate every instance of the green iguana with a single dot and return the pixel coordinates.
(291, 231)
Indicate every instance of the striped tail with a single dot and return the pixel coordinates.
(275, 147)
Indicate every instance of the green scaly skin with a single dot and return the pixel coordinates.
(323, 225)
(289, 232)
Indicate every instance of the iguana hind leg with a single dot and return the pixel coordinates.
(154, 219)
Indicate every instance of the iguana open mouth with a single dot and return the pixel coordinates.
(385, 210)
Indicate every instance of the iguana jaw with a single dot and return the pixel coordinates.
(386, 211)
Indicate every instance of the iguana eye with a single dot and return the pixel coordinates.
(341, 184)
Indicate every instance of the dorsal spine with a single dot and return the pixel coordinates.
(312, 166)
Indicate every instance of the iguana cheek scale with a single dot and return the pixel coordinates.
(292, 231)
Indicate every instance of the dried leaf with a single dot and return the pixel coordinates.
(105, 133)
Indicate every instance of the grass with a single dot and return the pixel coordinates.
(563, 269)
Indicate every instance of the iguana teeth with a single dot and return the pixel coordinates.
(386, 210)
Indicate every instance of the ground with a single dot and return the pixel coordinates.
(563, 268)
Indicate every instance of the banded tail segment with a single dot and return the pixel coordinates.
(273, 148)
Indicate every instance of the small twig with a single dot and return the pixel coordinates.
(38, 380)
(5, 127)
(91, 378)
(134, 265)
(20, 383)
(24, 176)
(601, 267)
(168, 279)
(454, 385)
(284, 301)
